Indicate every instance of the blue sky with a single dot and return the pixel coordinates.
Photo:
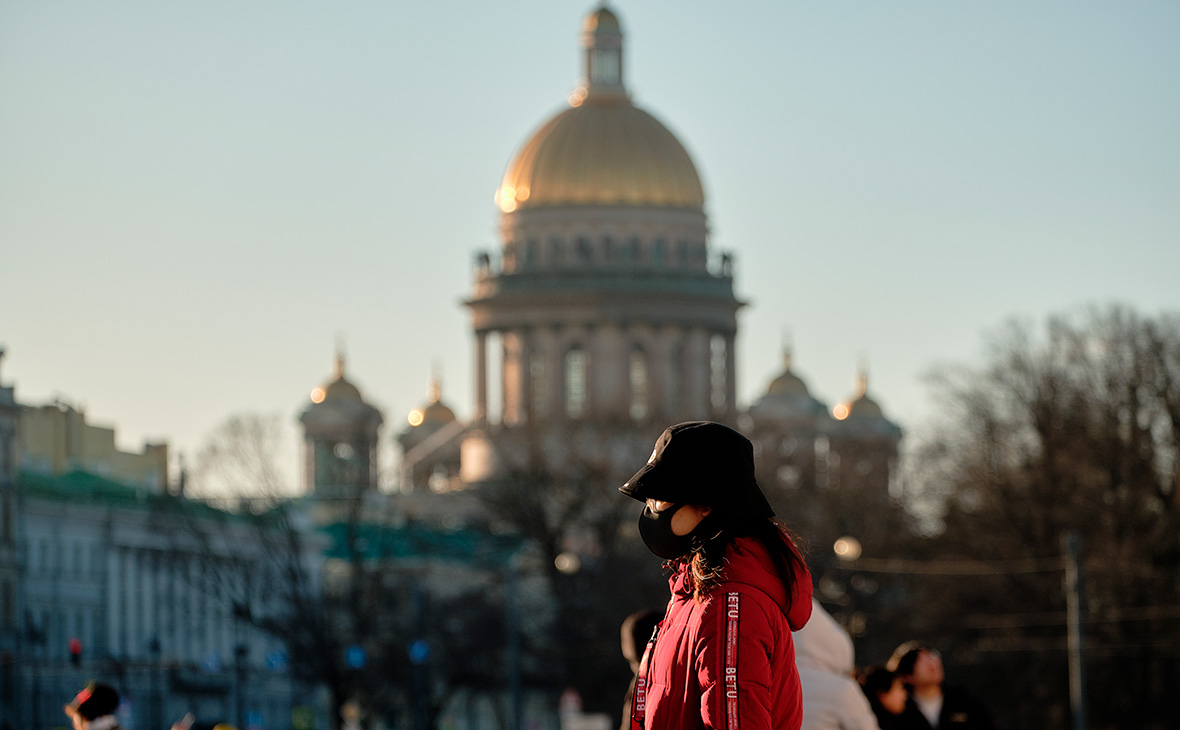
(196, 199)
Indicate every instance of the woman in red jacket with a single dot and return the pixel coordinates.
(723, 657)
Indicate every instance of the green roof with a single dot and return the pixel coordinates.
(381, 542)
(77, 485)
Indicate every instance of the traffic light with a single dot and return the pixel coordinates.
(75, 652)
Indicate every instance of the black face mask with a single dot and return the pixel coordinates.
(656, 530)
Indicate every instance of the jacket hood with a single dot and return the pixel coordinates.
(823, 644)
(748, 562)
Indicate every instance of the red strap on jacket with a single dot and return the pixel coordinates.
(730, 671)
(639, 698)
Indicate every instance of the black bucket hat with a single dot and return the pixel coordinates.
(701, 462)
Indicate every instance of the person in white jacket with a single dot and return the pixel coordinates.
(832, 700)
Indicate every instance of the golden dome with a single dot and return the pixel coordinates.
(861, 405)
(601, 153)
(865, 407)
(603, 150)
(787, 383)
(435, 413)
(338, 389)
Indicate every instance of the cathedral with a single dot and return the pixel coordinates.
(604, 316)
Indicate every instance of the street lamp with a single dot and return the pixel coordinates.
(847, 548)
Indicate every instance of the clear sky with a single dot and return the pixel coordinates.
(196, 199)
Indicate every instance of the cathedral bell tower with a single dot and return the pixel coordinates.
(340, 439)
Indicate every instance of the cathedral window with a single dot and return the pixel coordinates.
(630, 253)
(584, 252)
(604, 66)
(575, 383)
(675, 375)
(530, 252)
(554, 251)
(508, 260)
(637, 374)
(538, 385)
(718, 377)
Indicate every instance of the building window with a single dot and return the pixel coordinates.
(7, 604)
(5, 515)
(718, 377)
(584, 252)
(538, 385)
(675, 388)
(659, 253)
(555, 254)
(604, 66)
(631, 251)
(530, 253)
(637, 374)
(508, 258)
(575, 383)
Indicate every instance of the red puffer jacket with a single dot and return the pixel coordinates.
(727, 662)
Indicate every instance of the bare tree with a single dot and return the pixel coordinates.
(1074, 428)
(242, 458)
(346, 586)
(561, 494)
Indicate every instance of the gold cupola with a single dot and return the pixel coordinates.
(602, 150)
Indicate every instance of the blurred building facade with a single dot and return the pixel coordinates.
(123, 581)
(56, 438)
(10, 626)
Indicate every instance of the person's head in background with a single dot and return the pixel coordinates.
(635, 633)
(94, 707)
(884, 689)
(919, 667)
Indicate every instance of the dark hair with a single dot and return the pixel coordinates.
(905, 656)
(875, 681)
(707, 557)
(636, 631)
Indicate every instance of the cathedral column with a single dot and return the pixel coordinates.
(481, 376)
(513, 374)
(664, 372)
(610, 381)
(556, 343)
(697, 372)
(730, 376)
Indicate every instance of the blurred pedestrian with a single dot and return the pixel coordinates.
(723, 657)
(931, 706)
(887, 696)
(832, 699)
(634, 634)
(94, 708)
